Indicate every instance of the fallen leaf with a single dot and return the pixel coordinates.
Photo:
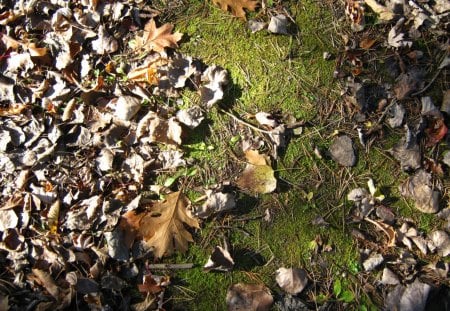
(408, 83)
(384, 13)
(278, 24)
(410, 297)
(291, 280)
(126, 107)
(389, 278)
(237, 6)
(156, 39)
(46, 280)
(367, 43)
(355, 11)
(191, 117)
(420, 188)
(220, 260)
(8, 219)
(266, 119)
(53, 216)
(216, 202)
(258, 176)
(255, 25)
(396, 38)
(396, 115)
(373, 261)
(153, 284)
(441, 241)
(342, 151)
(216, 78)
(162, 226)
(248, 297)
(407, 151)
(105, 44)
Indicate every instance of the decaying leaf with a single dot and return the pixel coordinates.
(396, 115)
(220, 260)
(342, 151)
(278, 24)
(126, 107)
(396, 38)
(156, 39)
(8, 219)
(441, 241)
(216, 202)
(212, 91)
(258, 176)
(384, 13)
(410, 297)
(46, 280)
(389, 278)
(162, 225)
(249, 297)
(291, 280)
(237, 6)
(191, 117)
(354, 10)
(373, 261)
(152, 128)
(105, 44)
(407, 151)
(266, 119)
(420, 188)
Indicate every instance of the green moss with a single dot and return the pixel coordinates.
(271, 73)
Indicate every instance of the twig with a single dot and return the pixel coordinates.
(168, 266)
(245, 123)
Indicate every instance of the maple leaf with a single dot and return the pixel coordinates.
(163, 225)
(237, 6)
(156, 39)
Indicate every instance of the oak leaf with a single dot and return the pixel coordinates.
(237, 6)
(163, 225)
(156, 39)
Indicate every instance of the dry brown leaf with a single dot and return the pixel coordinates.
(388, 230)
(249, 297)
(46, 280)
(156, 39)
(13, 109)
(147, 73)
(237, 6)
(367, 43)
(162, 226)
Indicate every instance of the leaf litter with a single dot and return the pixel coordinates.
(106, 123)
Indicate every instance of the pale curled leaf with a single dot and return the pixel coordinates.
(384, 13)
(216, 202)
(220, 260)
(291, 280)
(8, 219)
(105, 44)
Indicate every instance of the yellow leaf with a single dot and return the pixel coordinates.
(53, 216)
(258, 176)
(13, 109)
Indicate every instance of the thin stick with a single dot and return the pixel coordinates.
(245, 123)
(168, 266)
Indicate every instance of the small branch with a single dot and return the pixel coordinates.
(168, 266)
(245, 123)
